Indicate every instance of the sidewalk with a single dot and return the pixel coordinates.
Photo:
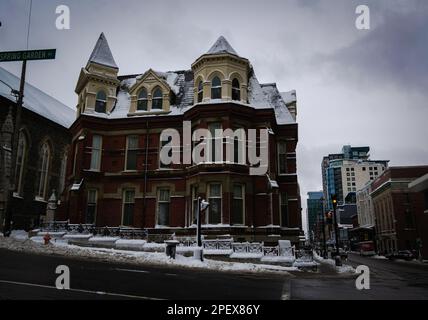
(19, 242)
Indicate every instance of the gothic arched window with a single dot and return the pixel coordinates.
(157, 99)
(101, 102)
(236, 90)
(200, 91)
(43, 170)
(142, 100)
(20, 162)
(216, 88)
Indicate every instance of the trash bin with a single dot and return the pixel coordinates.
(171, 248)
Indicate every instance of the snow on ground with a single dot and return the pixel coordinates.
(60, 247)
(342, 269)
(379, 257)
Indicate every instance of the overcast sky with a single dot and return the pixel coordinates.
(359, 87)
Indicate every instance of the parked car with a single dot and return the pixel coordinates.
(402, 254)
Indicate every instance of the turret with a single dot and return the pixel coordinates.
(98, 81)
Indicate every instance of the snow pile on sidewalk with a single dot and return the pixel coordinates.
(344, 268)
(135, 257)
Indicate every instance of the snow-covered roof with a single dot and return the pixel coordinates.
(260, 96)
(102, 53)
(37, 101)
(221, 46)
(289, 96)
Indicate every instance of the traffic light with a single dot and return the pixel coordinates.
(334, 201)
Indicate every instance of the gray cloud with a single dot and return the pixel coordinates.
(353, 87)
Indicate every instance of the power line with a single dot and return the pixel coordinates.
(29, 22)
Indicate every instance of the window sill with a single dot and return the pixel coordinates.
(150, 112)
(39, 199)
(17, 196)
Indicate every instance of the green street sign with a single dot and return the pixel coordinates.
(45, 54)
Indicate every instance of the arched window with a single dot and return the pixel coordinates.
(216, 88)
(142, 100)
(20, 162)
(157, 99)
(63, 172)
(43, 171)
(200, 91)
(101, 102)
(236, 90)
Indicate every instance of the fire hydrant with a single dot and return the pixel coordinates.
(47, 238)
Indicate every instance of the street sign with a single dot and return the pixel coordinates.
(44, 54)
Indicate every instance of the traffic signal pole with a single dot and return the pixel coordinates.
(336, 230)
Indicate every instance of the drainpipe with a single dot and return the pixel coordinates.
(145, 175)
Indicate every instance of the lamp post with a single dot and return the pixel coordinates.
(324, 253)
(202, 206)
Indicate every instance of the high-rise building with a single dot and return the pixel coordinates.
(348, 172)
(314, 210)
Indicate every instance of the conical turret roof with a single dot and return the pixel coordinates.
(221, 46)
(102, 53)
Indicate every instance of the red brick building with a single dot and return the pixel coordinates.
(400, 211)
(116, 178)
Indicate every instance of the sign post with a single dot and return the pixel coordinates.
(7, 56)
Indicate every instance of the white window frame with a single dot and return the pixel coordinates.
(212, 128)
(160, 202)
(243, 202)
(133, 149)
(207, 218)
(97, 166)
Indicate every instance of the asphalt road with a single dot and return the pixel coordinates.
(390, 280)
(30, 276)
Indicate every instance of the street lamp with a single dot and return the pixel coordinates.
(202, 206)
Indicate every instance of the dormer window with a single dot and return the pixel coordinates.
(200, 91)
(142, 101)
(216, 88)
(236, 90)
(101, 102)
(157, 99)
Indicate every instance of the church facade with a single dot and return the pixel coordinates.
(116, 176)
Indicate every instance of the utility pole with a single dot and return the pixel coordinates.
(45, 54)
(15, 140)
